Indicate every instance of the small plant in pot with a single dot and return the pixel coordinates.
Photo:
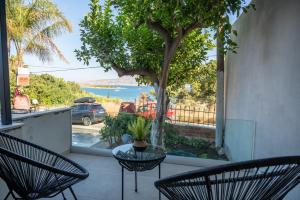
(140, 130)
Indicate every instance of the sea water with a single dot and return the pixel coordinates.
(126, 93)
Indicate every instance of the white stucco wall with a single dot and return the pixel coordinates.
(50, 129)
(263, 82)
(263, 78)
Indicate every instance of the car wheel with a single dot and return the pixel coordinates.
(86, 121)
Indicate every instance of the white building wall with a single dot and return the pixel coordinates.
(263, 83)
(50, 129)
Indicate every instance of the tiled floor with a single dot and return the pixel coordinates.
(104, 182)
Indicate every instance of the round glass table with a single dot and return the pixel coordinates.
(138, 161)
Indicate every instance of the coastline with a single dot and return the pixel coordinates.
(110, 86)
(97, 87)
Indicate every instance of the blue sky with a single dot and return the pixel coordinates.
(68, 42)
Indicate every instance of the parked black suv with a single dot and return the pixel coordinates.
(87, 113)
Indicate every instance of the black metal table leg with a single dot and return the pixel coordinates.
(8, 194)
(159, 173)
(63, 195)
(138, 162)
(73, 193)
(122, 183)
(135, 173)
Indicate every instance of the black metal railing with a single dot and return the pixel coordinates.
(203, 114)
(192, 115)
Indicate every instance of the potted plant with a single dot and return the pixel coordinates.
(140, 130)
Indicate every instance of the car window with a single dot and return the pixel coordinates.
(97, 107)
(82, 107)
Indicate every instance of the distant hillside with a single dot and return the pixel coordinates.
(52, 91)
(126, 80)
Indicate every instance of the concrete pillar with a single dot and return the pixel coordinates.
(220, 95)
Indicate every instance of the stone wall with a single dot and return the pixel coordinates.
(203, 132)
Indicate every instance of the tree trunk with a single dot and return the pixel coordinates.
(20, 62)
(157, 123)
(161, 106)
(156, 87)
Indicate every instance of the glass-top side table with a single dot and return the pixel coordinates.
(138, 161)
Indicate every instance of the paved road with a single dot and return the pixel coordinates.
(88, 136)
(92, 130)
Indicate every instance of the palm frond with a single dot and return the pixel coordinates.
(32, 26)
(42, 40)
(56, 29)
(40, 50)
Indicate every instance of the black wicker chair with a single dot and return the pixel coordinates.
(33, 172)
(262, 179)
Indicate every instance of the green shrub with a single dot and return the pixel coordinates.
(115, 127)
(172, 138)
(188, 146)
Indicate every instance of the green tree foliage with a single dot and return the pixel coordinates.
(118, 43)
(49, 90)
(155, 38)
(32, 25)
(203, 85)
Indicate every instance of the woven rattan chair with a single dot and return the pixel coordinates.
(262, 179)
(33, 172)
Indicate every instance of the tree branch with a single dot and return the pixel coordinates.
(180, 31)
(142, 72)
(156, 26)
(191, 27)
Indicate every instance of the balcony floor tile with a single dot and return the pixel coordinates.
(104, 181)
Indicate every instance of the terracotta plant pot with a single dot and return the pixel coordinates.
(140, 144)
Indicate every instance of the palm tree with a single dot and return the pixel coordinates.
(32, 26)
